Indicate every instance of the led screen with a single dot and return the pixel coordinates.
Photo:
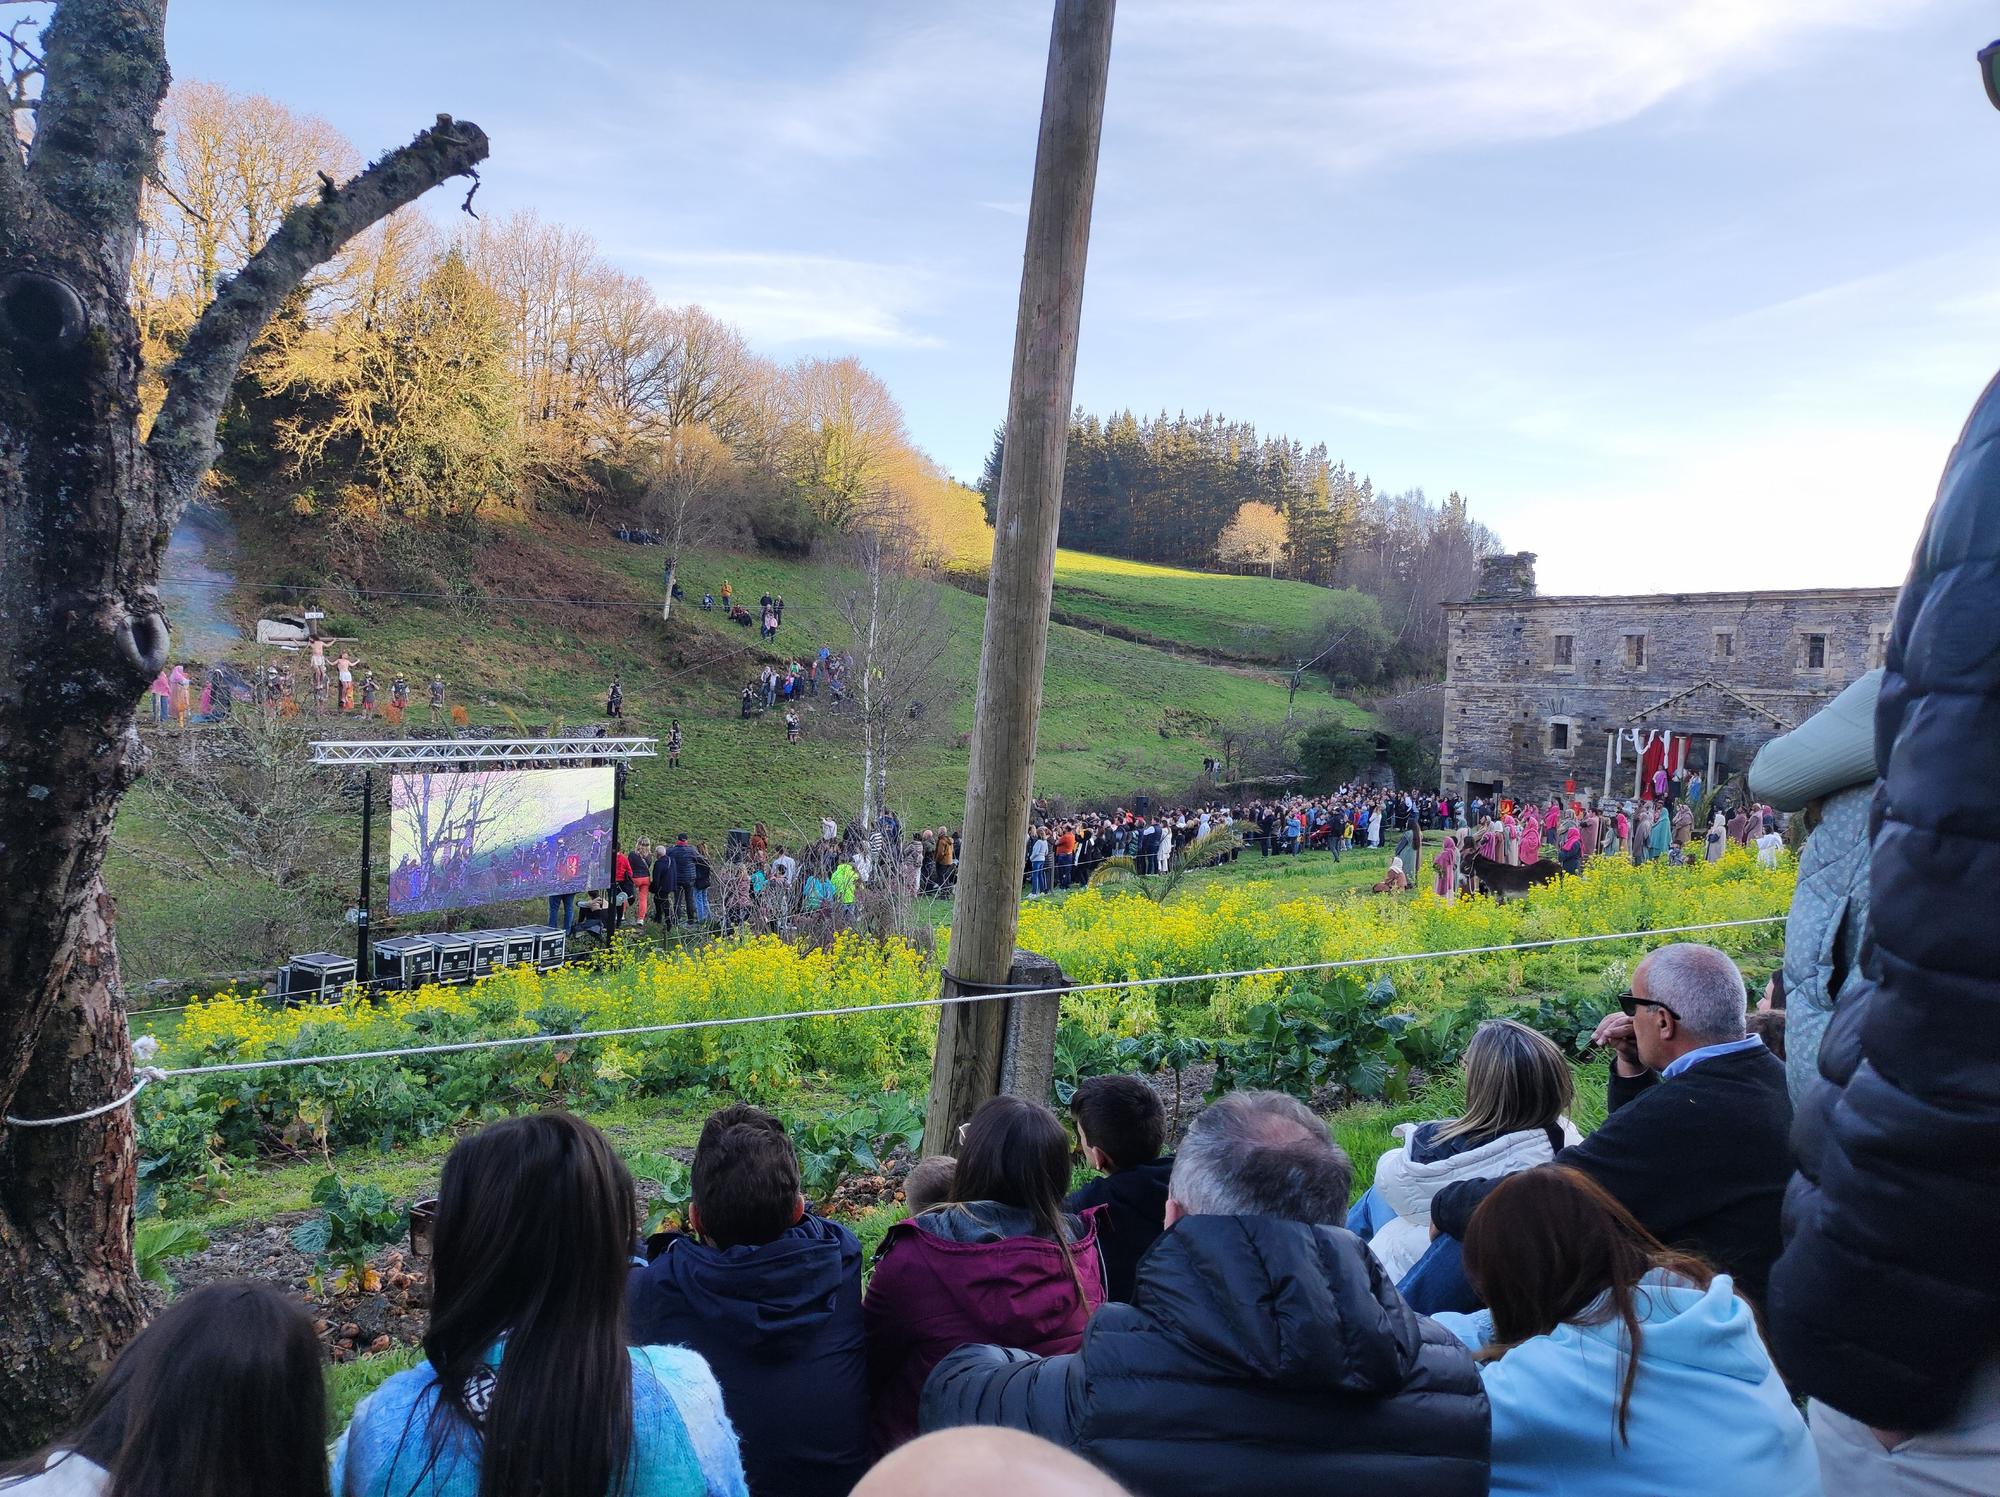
(492, 835)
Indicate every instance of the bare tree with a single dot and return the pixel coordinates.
(899, 638)
(683, 501)
(246, 794)
(85, 509)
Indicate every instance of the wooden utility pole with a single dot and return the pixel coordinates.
(971, 1036)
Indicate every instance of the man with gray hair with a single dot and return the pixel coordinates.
(1263, 1349)
(1696, 1143)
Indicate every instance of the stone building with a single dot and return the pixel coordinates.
(1593, 694)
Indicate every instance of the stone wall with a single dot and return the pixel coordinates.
(1535, 686)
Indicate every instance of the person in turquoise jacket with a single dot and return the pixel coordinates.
(1616, 1367)
(527, 1386)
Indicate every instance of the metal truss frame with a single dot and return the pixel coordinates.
(471, 752)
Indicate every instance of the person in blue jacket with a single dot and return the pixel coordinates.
(770, 1296)
(527, 1383)
(1615, 1366)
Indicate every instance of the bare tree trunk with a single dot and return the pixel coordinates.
(667, 607)
(85, 511)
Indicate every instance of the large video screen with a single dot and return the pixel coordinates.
(493, 835)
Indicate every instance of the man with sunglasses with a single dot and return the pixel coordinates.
(1695, 1143)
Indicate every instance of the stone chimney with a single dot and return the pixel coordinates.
(1506, 578)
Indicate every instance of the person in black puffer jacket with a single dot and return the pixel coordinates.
(1264, 1349)
(1885, 1304)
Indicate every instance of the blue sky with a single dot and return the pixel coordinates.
(1682, 295)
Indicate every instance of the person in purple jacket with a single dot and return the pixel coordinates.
(1001, 1262)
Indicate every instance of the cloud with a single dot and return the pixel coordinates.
(1825, 506)
(779, 298)
(1353, 84)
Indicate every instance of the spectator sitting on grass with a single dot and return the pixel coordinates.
(1002, 1262)
(770, 1295)
(1518, 1088)
(1263, 1350)
(527, 1384)
(1697, 1142)
(928, 1183)
(1614, 1364)
(1121, 1127)
(221, 1393)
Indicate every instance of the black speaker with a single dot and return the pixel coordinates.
(489, 951)
(738, 848)
(1143, 804)
(451, 958)
(404, 961)
(315, 977)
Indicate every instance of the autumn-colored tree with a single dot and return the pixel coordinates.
(411, 388)
(842, 429)
(1256, 537)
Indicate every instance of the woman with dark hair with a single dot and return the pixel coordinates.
(1000, 1262)
(1616, 1365)
(528, 1388)
(1518, 1090)
(221, 1395)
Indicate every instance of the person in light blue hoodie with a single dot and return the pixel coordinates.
(527, 1388)
(1615, 1366)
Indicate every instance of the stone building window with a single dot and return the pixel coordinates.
(1812, 652)
(1559, 735)
(1725, 644)
(1564, 657)
(1635, 650)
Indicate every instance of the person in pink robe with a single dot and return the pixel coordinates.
(1446, 863)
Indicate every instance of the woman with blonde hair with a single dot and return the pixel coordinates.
(1518, 1090)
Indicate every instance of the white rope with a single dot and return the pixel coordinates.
(139, 1083)
(515, 1041)
(146, 1047)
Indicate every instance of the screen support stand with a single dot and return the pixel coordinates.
(617, 846)
(362, 965)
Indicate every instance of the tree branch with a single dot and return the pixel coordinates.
(183, 441)
(22, 66)
(103, 76)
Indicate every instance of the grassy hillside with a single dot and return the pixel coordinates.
(1245, 618)
(1118, 717)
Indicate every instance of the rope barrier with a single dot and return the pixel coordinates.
(730, 1021)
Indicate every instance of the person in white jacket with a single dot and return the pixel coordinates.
(1615, 1366)
(1518, 1090)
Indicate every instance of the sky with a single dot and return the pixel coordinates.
(1681, 294)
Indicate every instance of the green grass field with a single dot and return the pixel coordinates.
(1244, 618)
(1118, 718)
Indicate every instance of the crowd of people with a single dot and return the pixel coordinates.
(1508, 1308)
(758, 886)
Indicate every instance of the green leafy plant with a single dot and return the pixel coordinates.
(856, 1140)
(675, 1183)
(156, 1241)
(1336, 1032)
(353, 1221)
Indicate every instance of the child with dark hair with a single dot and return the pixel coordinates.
(770, 1295)
(527, 1384)
(928, 1183)
(1003, 1262)
(1121, 1129)
(222, 1393)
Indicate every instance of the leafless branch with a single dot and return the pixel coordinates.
(183, 441)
